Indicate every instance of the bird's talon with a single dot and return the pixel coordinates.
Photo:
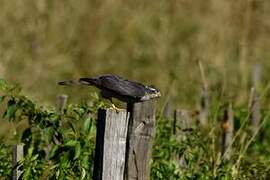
(116, 108)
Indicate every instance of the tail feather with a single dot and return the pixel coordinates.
(81, 81)
(88, 81)
(68, 82)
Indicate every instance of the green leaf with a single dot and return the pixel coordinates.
(2, 98)
(71, 143)
(83, 174)
(72, 127)
(77, 150)
(85, 161)
(53, 150)
(3, 84)
(87, 125)
(48, 134)
(11, 110)
(34, 157)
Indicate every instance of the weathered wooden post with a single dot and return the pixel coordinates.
(62, 101)
(110, 150)
(168, 112)
(204, 100)
(17, 156)
(182, 120)
(141, 133)
(255, 110)
(227, 127)
(182, 124)
(204, 107)
(255, 98)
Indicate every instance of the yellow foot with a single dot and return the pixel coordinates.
(116, 108)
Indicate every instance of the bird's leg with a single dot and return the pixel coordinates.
(113, 106)
(105, 94)
(116, 108)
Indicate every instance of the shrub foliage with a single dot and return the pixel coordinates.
(61, 146)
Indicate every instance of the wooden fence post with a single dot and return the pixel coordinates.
(182, 120)
(62, 101)
(182, 123)
(255, 110)
(227, 126)
(141, 133)
(204, 107)
(255, 98)
(110, 150)
(17, 156)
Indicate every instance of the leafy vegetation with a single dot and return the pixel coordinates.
(155, 42)
(61, 146)
(56, 146)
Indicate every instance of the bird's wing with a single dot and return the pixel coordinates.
(122, 87)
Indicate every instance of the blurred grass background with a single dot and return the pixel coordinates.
(156, 42)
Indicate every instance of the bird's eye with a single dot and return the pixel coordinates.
(152, 88)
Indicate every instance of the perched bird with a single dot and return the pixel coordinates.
(113, 86)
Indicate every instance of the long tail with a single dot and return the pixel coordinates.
(81, 81)
(68, 82)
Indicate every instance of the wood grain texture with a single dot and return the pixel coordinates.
(110, 150)
(182, 121)
(17, 156)
(141, 133)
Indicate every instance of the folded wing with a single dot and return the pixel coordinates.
(122, 87)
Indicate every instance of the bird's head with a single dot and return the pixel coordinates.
(154, 90)
(151, 92)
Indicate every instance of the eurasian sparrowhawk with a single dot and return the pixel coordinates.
(113, 86)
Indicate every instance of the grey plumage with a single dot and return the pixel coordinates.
(117, 87)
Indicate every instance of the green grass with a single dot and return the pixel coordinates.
(154, 42)
(71, 138)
